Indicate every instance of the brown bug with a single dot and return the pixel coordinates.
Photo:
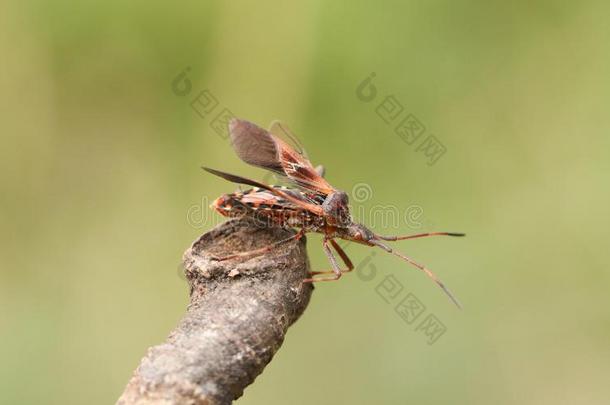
(311, 204)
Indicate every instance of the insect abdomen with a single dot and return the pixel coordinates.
(225, 206)
(271, 212)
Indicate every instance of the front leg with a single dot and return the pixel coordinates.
(333, 261)
(344, 257)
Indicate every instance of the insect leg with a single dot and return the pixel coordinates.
(257, 252)
(333, 262)
(344, 257)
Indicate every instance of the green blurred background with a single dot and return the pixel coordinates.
(102, 191)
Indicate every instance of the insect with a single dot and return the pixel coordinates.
(309, 204)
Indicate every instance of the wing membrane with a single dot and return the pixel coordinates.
(261, 148)
(254, 145)
(281, 131)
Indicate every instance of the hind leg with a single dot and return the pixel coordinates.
(263, 250)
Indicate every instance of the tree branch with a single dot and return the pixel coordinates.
(238, 315)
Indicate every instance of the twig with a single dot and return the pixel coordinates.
(238, 315)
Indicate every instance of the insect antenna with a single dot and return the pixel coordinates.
(428, 272)
(419, 235)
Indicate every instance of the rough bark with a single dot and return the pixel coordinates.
(238, 315)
